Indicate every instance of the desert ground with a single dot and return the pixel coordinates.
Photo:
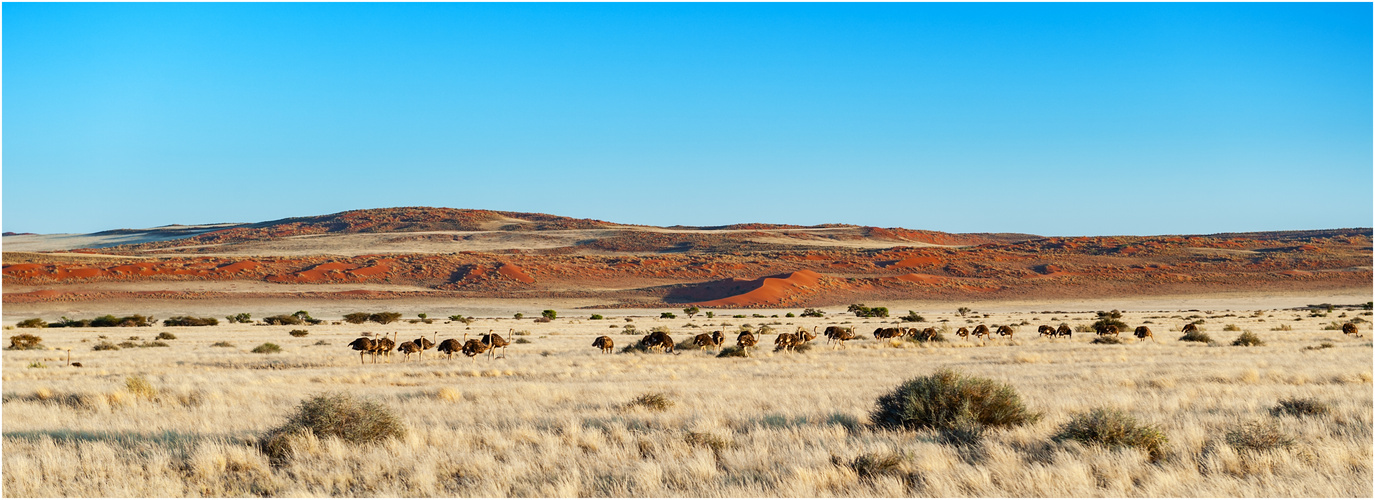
(553, 416)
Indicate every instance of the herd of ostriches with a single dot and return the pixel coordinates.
(661, 342)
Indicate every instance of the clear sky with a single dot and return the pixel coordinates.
(1053, 119)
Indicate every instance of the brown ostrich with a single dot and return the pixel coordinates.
(886, 333)
(363, 345)
(804, 336)
(784, 341)
(745, 341)
(473, 347)
(1005, 331)
(658, 341)
(1142, 332)
(981, 331)
(1108, 330)
(834, 332)
(383, 346)
(1190, 328)
(1350, 329)
(494, 341)
(925, 335)
(963, 333)
(705, 340)
(1045, 331)
(1064, 331)
(409, 347)
(847, 334)
(718, 338)
(604, 343)
(425, 344)
(449, 347)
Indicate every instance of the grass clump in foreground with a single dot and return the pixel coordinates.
(1113, 428)
(338, 415)
(1247, 339)
(1258, 436)
(655, 401)
(1300, 407)
(267, 348)
(1196, 336)
(952, 403)
(1107, 340)
(733, 352)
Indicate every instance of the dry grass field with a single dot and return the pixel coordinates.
(553, 418)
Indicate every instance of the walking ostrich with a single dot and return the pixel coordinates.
(449, 347)
(409, 347)
(981, 331)
(963, 333)
(848, 334)
(1190, 328)
(604, 343)
(804, 336)
(473, 347)
(1045, 331)
(384, 346)
(494, 341)
(718, 338)
(833, 332)
(1350, 329)
(886, 333)
(1142, 332)
(424, 343)
(363, 345)
(1064, 331)
(784, 341)
(745, 341)
(658, 341)
(705, 340)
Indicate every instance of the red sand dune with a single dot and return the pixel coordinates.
(920, 278)
(771, 290)
(917, 261)
(515, 273)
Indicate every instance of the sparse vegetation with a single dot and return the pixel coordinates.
(285, 320)
(1113, 428)
(1107, 340)
(166, 336)
(104, 345)
(337, 415)
(864, 311)
(1248, 339)
(222, 344)
(267, 348)
(1258, 436)
(948, 400)
(239, 318)
(32, 323)
(1110, 318)
(913, 317)
(732, 352)
(963, 311)
(1196, 336)
(189, 321)
(667, 315)
(1231, 328)
(1301, 407)
(384, 317)
(298, 333)
(25, 342)
(653, 401)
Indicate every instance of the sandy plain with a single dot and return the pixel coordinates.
(550, 419)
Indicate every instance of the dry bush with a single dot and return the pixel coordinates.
(222, 343)
(1324, 345)
(1282, 328)
(872, 465)
(166, 336)
(1112, 428)
(337, 415)
(267, 348)
(1231, 328)
(654, 401)
(104, 345)
(1300, 407)
(32, 323)
(139, 386)
(1196, 336)
(733, 352)
(25, 342)
(1107, 340)
(298, 333)
(1258, 436)
(1247, 339)
(949, 400)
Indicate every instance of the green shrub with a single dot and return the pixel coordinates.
(1113, 318)
(1258, 436)
(863, 311)
(267, 348)
(342, 416)
(1247, 339)
(32, 323)
(37, 364)
(1113, 428)
(298, 333)
(667, 315)
(1300, 407)
(739, 316)
(239, 318)
(1196, 336)
(947, 400)
(790, 315)
(812, 313)
(913, 317)
(283, 320)
(189, 321)
(653, 401)
(104, 345)
(549, 314)
(166, 336)
(359, 318)
(597, 316)
(25, 342)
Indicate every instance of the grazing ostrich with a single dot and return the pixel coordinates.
(925, 335)
(449, 347)
(1142, 332)
(1350, 329)
(424, 343)
(1064, 331)
(804, 336)
(1190, 328)
(363, 345)
(1108, 330)
(1005, 331)
(963, 333)
(784, 341)
(409, 347)
(886, 333)
(473, 347)
(1045, 331)
(834, 332)
(604, 343)
(658, 341)
(494, 341)
(745, 341)
(981, 331)
(705, 340)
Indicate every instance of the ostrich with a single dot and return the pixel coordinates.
(363, 345)
(1005, 331)
(804, 336)
(658, 341)
(1108, 330)
(449, 347)
(718, 338)
(1045, 331)
(409, 347)
(1142, 332)
(473, 347)
(1064, 331)
(886, 333)
(844, 335)
(705, 340)
(745, 341)
(963, 333)
(494, 340)
(925, 335)
(784, 341)
(834, 332)
(981, 331)
(424, 344)
(604, 343)
(1190, 328)
(1350, 329)
(383, 346)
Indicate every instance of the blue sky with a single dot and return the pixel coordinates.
(1053, 119)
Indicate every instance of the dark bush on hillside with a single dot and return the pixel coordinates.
(948, 400)
(342, 416)
(32, 323)
(190, 321)
(1113, 428)
(283, 320)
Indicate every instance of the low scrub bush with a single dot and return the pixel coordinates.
(1282, 328)
(1300, 407)
(522, 341)
(342, 416)
(222, 344)
(732, 352)
(104, 345)
(1248, 339)
(1324, 345)
(139, 386)
(384, 317)
(1107, 340)
(283, 320)
(654, 401)
(298, 333)
(864, 311)
(1109, 318)
(32, 323)
(1258, 436)
(359, 318)
(189, 321)
(948, 400)
(239, 318)
(873, 465)
(913, 317)
(1196, 336)
(166, 336)
(1231, 328)
(812, 313)
(127, 345)
(25, 342)
(1113, 428)
(267, 348)
(597, 316)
